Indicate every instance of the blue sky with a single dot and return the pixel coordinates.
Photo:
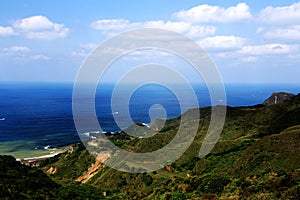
(249, 41)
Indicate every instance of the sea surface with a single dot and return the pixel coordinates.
(35, 117)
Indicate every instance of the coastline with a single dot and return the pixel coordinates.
(27, 150)
(35, 161)
(39, 157)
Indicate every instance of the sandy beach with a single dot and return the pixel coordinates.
(39, 157)
(35, 161)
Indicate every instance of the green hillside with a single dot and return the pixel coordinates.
(256, 157)
(19, 181)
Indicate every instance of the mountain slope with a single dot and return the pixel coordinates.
(19, 181)
(278, 97)
(257, 156)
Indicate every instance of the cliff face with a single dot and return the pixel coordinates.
(95, 168)
(278, 97)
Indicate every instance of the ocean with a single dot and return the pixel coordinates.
(35, 117)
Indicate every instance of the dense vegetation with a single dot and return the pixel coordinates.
(19, 181)
(256, 157)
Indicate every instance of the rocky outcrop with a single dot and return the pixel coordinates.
(51, 170)
(278, 97)
(95, 168)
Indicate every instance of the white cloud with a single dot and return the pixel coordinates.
(269, 49)
(110, 24)
(22, 53)
(7, 31)
(80, 53)
(210, 14)
(40, 27)
(15, 52)
(39, 57)
(260, 30)
(111, 27)
(281, 15)
(175, 26)
(147, 54)
(286, 33)
(249, 59)
(282, 23)
(196, 31)
(89, 46)
(16, 49)
(117, 25)
(190, 30)
(223, 42)
(85, 49)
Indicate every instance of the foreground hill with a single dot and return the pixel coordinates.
(19, 181)
(256, 157)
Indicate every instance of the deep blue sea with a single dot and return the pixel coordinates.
(35, 115)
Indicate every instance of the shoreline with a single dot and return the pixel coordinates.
(39, 157)
(29, 152)
(36, 161)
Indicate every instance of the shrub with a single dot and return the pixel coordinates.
(213, 184)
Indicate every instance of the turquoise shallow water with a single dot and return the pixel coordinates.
(23, 149)
(36, 116)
